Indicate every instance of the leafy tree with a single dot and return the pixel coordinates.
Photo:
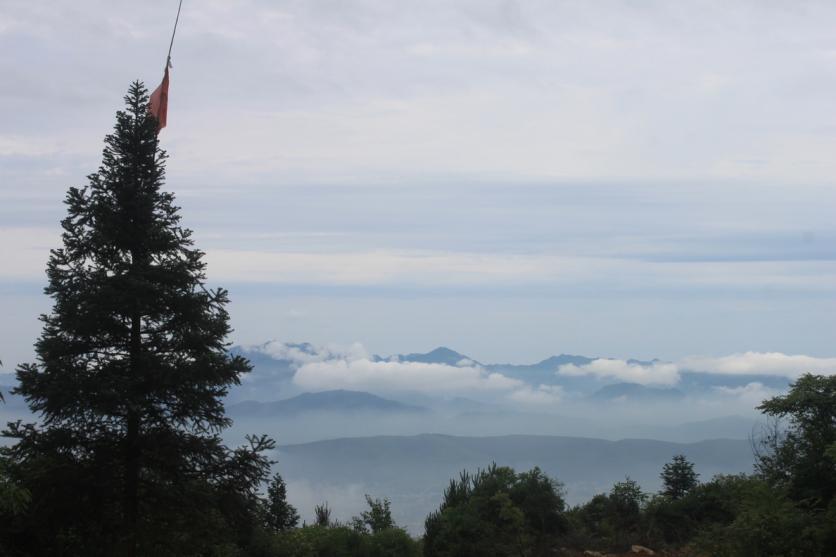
(627, 497)
(497, 512)
(678, 477)
(379, 515)
(132, 368)
(766, 522)
(279, 515)
(611, 521)
(799, 458)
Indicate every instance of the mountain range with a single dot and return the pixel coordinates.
(337, 401)
(275, 364)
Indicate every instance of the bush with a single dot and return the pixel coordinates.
(497, 512)
(343, 541)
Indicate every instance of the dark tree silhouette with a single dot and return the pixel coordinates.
(322, 515)
(279, 515)
(678, 477)
(799, 457)
(497, 512)
(379, 516)
(132, 368)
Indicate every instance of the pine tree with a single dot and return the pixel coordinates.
(678, 477)
(279, 515)
(132, 368)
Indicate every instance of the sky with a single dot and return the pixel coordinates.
(511, 179)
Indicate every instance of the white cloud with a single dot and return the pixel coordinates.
(544, 395)
(345, 500)
(661, 373)
(657, 373)
(304, 354)
(386, 267)
(763, 363)
(364, 374)
(319, 90)
(751, 394)
(449, 268)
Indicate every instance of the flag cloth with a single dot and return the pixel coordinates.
(159, 102)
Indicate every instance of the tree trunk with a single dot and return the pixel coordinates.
(132, 449)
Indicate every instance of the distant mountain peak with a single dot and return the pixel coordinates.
(564, 359)
(440, 355)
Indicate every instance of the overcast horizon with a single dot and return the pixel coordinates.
(510, 179)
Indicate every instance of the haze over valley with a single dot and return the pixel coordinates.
(346, 421)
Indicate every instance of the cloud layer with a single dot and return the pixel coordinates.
(364, 374)
(656, 373)
(668, 373)
(659, 173)
(763, 363)
(313, 91)
(352, 367)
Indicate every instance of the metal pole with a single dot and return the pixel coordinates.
(171, 44)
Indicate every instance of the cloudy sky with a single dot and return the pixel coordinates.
(512, 179)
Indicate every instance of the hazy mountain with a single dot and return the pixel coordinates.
(721, 427)
(728, 427)
(699, 381)
(413, 471)
(545, 372)
(339, 401)
(441, 355)
(634, 392)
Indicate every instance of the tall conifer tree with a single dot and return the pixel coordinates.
(132, 368)
(678, 477)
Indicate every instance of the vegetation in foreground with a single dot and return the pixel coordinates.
(127, 457)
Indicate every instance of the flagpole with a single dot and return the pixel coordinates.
(171, 44)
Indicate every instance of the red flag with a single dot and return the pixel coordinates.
(159, 102)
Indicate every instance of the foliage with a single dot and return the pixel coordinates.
(279, 515)
(766, 522)
(13, 498)
(675, 522)
(497, 512)
(377, 519)
(788, 507)
(800, 458)
(132, 369)
(322, 515)
(343, 541)
(678, 477)
(611, 521)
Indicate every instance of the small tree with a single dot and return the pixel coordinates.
(379, 515)
(627, 497)
(678, 477)
(279, 515)
(322, 515)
